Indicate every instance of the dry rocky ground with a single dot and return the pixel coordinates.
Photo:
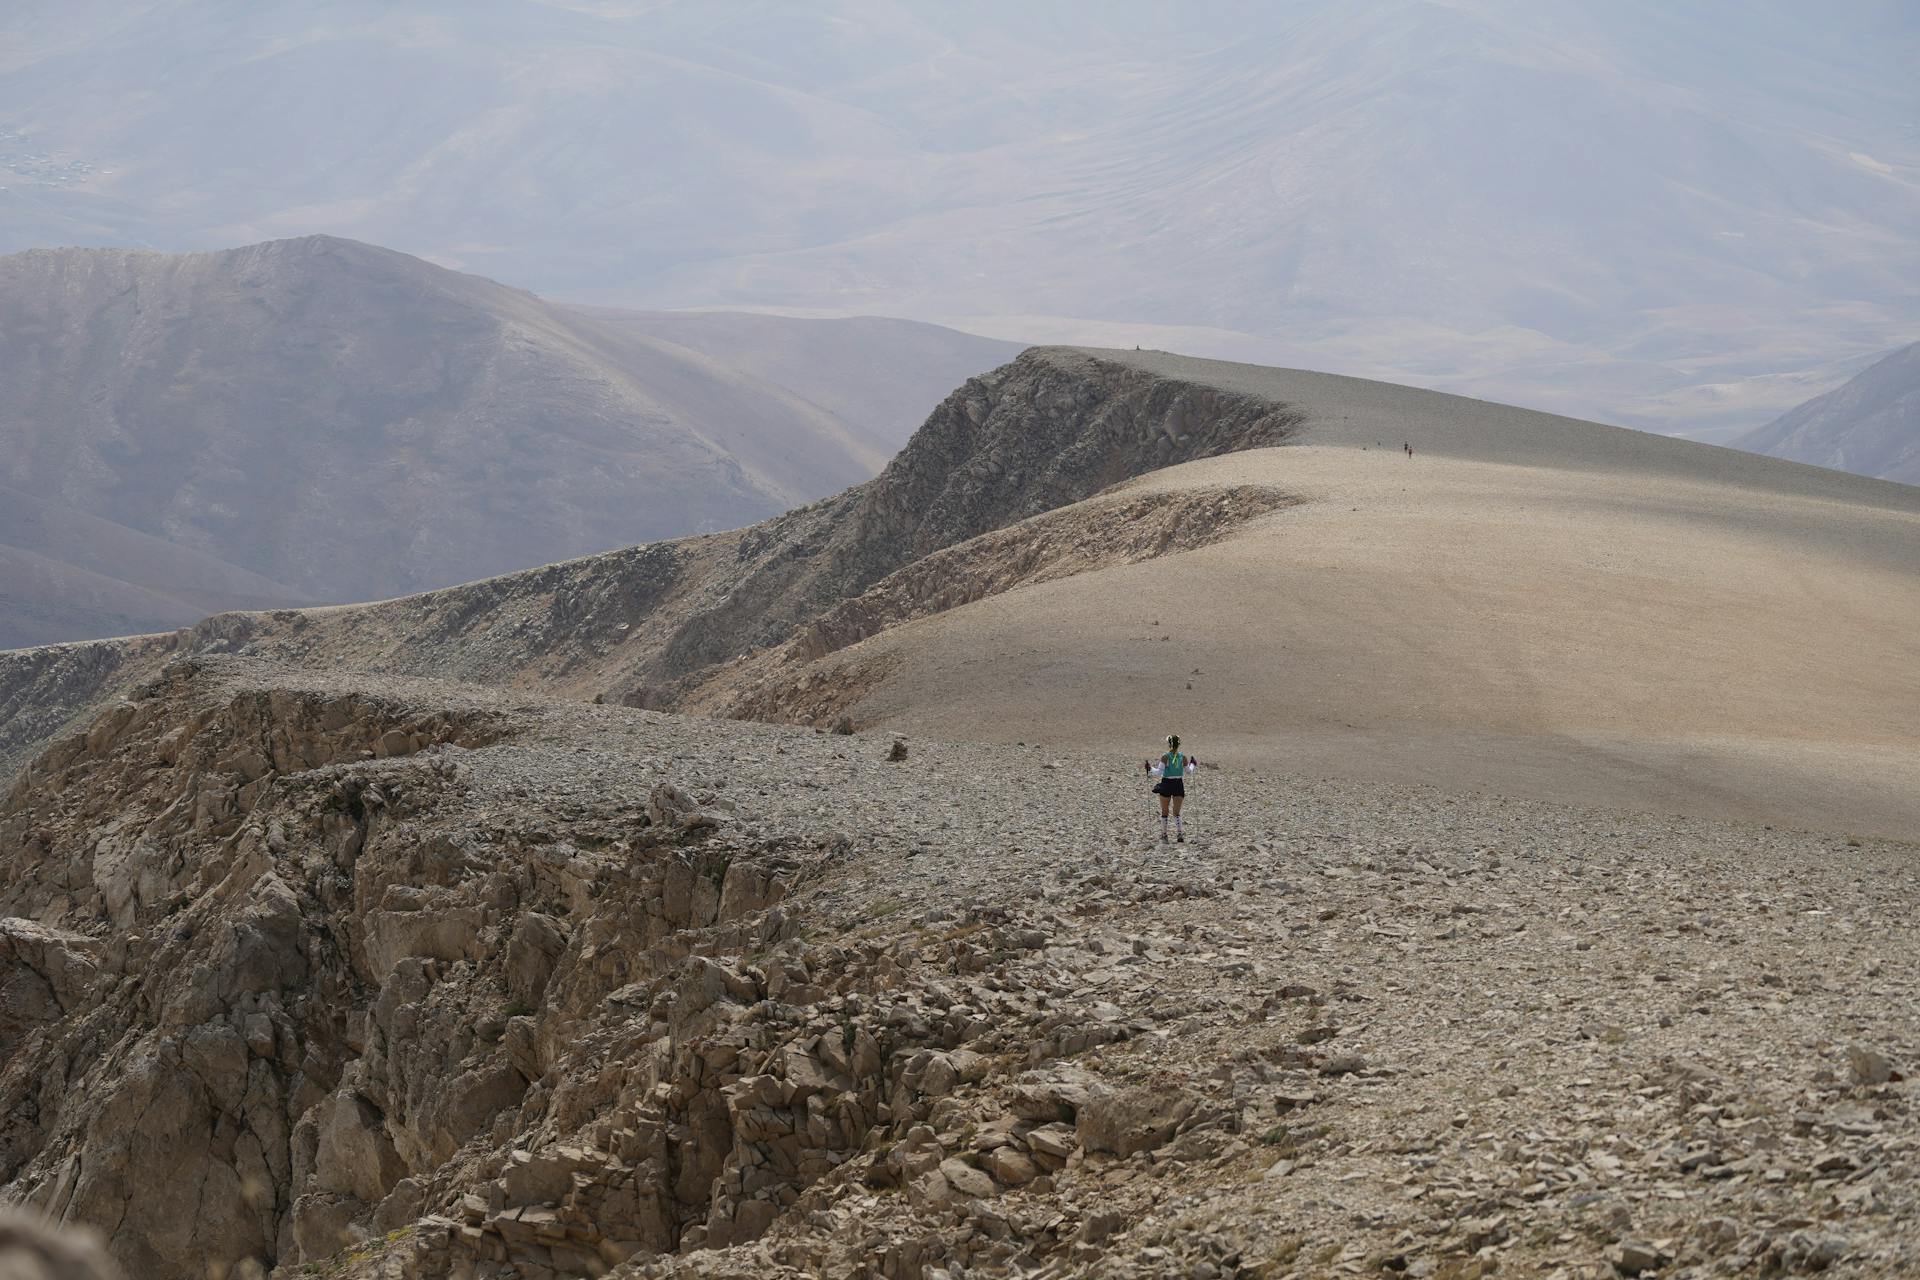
(336, 975)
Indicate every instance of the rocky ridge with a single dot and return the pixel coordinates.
(651, 624)
(330, 974)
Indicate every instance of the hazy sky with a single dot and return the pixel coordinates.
(1661, 213)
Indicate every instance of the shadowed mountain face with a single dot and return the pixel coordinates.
(323, 420)
(1870, 425)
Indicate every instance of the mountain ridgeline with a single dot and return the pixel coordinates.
(359, 939)
(1870, 425)
(1052, 428)
(990, 584)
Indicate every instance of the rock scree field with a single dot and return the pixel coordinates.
(404, 978)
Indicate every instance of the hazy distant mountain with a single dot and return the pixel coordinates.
(67, 575)
(880, 376)
(318, 419)
(1871, 425)
(1649, 211)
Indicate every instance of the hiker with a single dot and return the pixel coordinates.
(1172, 786)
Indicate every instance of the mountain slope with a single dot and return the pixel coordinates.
(1047, 430)
(879, 376)
(1528, 605)
(1870, 425)
(1095, 548)
(325, 420)
(64, 574)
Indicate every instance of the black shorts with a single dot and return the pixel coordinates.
(1170, 787)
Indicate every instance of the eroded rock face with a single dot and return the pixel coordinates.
(41, 689)
(44, 973)
(174, 997)
(287, 971)
(250, 988)
(291, 968)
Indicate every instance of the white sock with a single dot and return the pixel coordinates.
(1176, 825)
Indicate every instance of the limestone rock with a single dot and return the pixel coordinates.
(1633, 1257)
(1009, 1166)
(536, 945)
(1122, 1121)
(967, 1181)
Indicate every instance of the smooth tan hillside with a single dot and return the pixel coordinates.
(1612, 617)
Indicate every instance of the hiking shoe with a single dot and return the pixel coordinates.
(1163, 837)
(1181, 838)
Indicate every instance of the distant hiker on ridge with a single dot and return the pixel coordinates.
(1172, 771)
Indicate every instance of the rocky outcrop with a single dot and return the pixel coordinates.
(42, 689)
(166, 986)
(297, 947)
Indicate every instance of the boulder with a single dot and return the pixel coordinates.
(1868, 1066)
(1123, 1121)
(667, 804)
(536, 945)
(355, 1157)
(1051, 1144)
(970, 1183)
(1010, 1166)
